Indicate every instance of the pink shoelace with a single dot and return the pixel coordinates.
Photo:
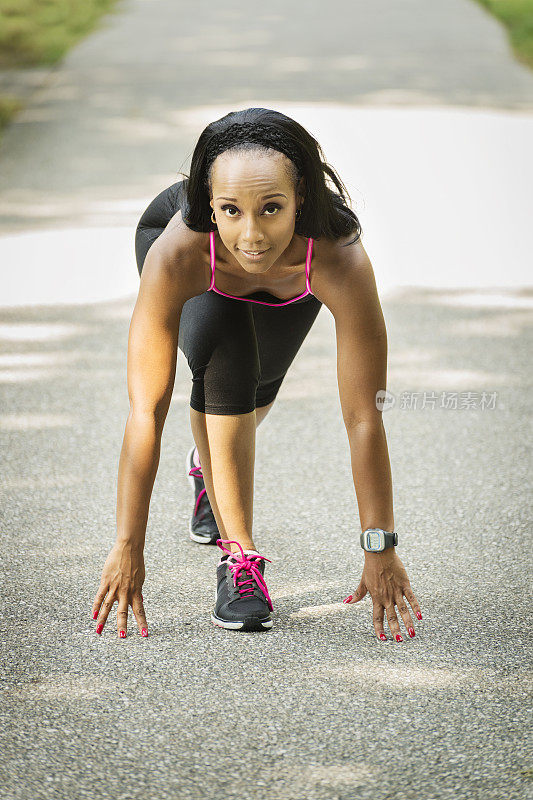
(245, 563)
(196, 472)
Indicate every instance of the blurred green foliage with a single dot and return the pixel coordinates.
(39, 32)
(8, 107)
(35, 32)
(517, 16)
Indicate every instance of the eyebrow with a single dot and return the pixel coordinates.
(266, 197)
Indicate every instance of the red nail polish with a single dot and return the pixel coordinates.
(144, 632)
(99, 628)
(411, 632)
(399, 638)
(95, 614)
(142, 598)
(418, 615)
(122, 634)
(347, 599)
(382, 637)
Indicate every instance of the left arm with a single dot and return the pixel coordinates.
(348, 288)
(366, 361)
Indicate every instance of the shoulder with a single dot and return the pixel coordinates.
(177, 259)
(338, 260)
(344, 281)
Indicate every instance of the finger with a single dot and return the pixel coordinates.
(122, 616)
(404, 611)
(105, 608)
(377, 616)
(394, 625)
(359, 593)
(138, 609)
(97, 602)
(413, 602)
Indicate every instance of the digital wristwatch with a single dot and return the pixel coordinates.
(375, 540)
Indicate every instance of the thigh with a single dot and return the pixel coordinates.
(217, 337)
(280, 333)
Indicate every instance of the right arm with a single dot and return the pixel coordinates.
(166, 283)
(152, 354)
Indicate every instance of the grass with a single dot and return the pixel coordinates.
(9, 106)
(517, 16)
(39, 32)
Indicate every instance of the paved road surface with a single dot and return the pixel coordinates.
(111, 124)
(316, 708)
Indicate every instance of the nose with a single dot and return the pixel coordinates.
(252, 234)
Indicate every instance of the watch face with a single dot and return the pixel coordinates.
(373, 540)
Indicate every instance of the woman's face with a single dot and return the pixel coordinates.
(255, 204)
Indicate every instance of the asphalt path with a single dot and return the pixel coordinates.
(316, 708)
(118, 118)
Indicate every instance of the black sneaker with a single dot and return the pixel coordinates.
(242, 601)
(202, 525)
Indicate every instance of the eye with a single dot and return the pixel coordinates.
(224, 208)
(271, 206)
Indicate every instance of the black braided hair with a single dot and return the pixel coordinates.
(239, 133)
(324, 212)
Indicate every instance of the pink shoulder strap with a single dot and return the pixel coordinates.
(212, 251)
(307, 263)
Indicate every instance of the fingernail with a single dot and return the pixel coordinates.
(99, 628)
(418, 615)
(144, 632)
(95, 614)
(399, 638)
(142, 598)
(382, 637)
(122, 634)
(411, 631)
(347, 599)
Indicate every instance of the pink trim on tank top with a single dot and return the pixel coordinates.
(212, 286)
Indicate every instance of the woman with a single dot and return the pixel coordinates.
(235, 264)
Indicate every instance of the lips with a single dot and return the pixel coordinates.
(254, 256)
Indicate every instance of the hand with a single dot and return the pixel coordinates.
(384, 576)
(122, 581)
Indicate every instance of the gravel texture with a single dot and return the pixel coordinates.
(317, 707)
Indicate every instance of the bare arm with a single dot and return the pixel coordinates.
(166, 283)
(348, 288)
(152, 354)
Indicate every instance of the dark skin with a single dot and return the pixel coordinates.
(177, 267)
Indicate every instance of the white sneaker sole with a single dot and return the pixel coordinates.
(237, 626)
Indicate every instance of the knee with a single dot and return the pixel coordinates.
(218, 339)
(267, 391)
(226, 386)
(226, 381)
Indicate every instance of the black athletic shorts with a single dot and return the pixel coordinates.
(238, 352)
